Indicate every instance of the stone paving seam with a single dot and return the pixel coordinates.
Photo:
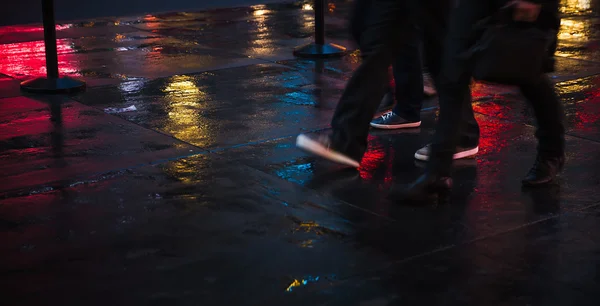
(498, 233)
(221, 149)
(223, 51)
(136, 124)
(87, 178)
(20, 94)
(64, 183)
(213, 150)
(324, 194)
(11, 96)
(582, 137)
(6, 76)
(261, 141)
(576, 77)
(392, 264)
(443, 248)
(529, 125)
(247, 144)
(59, 36)
(580, 59)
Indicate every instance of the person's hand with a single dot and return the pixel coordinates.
(525, 10)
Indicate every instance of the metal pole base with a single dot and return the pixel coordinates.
(53, 86)
(313, 50)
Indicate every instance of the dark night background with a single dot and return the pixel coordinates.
(30, 11)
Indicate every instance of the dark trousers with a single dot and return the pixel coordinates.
(408, 76)
(454, 85)
(378, 26)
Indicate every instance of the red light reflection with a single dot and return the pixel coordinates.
(152, 22)
(478, 91)
(30, 29)
(378, 155)
(28, 58)
(586, 113)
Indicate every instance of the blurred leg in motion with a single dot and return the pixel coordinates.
(454, 85)
(408, 79)
(378, 33)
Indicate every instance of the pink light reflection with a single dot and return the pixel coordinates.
(29, 59)
(30, 29)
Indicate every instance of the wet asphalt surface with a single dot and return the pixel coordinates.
(199, 197)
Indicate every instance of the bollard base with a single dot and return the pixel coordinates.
(53, 86)
(313, 50)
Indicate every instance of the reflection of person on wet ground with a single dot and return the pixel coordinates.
(455, 85)
(382, 25)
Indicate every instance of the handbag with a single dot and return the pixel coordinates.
(508, 52)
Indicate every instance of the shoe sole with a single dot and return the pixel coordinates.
(459, 155)
(305, 143)
(550, 182)
(526, 184)
(396, 126)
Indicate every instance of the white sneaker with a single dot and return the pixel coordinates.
(320, 145)
(424, 152)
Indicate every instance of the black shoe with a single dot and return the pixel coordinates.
(391, 121)
(544, 171)
(425, 187)
(461, 152)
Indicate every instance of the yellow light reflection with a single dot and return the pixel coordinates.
(573, 30)
(119, 37)
(184, 121)
(331, 7)
(184, 101)
(260, 12)
(301, 282)
(310, 226)
(294, 284)
(573, 34)
(308, 19)
(181, 84)
(263, 42)
(575, 6)
(307, 244)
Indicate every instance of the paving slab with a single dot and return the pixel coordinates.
(220, 108)
(9, 87)
(579, 100)
(50, 140)
(197, 222)
(198, 196)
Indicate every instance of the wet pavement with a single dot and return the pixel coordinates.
(197, 196)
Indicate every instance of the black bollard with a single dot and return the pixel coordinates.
(52, 83)
(319, 49)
